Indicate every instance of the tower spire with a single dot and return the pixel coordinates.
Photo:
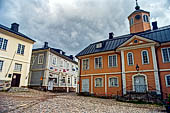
(137, 6)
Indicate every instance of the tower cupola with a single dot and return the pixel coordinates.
(139, 20)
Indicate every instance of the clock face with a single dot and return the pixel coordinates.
(137, 17)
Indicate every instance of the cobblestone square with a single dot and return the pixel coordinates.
(46, 102)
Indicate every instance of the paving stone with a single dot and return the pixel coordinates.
(45, 102)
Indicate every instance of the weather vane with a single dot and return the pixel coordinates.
(137, 6)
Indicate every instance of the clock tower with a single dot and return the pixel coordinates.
(139, 20)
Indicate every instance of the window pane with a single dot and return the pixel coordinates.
(165, 55)
(5, 44)
(145, 57)
(130, 59)
(1, 41)
(19, 48)
(114, 60)
(98, 82)
(18, 67)
(22, 50)
(113, 82)
(1, 64)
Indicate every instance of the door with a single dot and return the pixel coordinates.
(15, 80)
(140, 84)
(50, 85)
(85, 85)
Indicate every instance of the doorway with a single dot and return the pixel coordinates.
(15, 80)
(140, 84)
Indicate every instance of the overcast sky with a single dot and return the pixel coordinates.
(71, 25)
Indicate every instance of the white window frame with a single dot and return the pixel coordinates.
(117, 81)
(147, 56)
(21, 51)
(163, 55)
(39, 59)
(1, 65)
(17, 69)
(132, 59)
(112, 62)
(166, 80)
(54, 61)
(101, 83)
(95, 62)
(2, 44)
(88, 64)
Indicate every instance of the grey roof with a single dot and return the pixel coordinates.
(17, 33)
(161, 35)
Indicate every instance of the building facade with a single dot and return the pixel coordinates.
(51, 69)
(15, 56)
(136, 62)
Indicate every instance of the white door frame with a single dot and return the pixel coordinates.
(133, 80)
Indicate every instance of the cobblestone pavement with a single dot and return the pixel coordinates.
(46, 102)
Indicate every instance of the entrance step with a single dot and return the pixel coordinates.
(18, 89)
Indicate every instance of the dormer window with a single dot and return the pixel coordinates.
(145, 18)
(99, 45)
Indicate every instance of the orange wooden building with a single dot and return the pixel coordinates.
(138, 62)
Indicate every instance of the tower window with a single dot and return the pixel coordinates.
(145, 18)
(131, 21)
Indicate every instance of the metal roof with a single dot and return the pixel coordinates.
(161, 35)
(56, 51)
(17, 33)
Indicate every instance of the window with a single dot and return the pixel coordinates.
(3, 43)
(32, 59)
(21, 49)
(145, 18)
(131, 21)
(54, 60)
(64, 81)
(18, 67)
(145, 58)
(113, 82)
(40, 58)
(99, 45)
(69, 81)
(1, 64)
(166, 54)
(98, 82)
(85, 64)
(67, 65)
(130, 59)
(75, 80)
(167, 78)
(98, 62)
(113, 61)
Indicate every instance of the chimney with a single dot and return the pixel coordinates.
(154, 25)
(45, 44)
(15, 27)
(63, 53)
(71, 57)
(111, 35)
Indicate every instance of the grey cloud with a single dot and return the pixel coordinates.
(74, 26)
